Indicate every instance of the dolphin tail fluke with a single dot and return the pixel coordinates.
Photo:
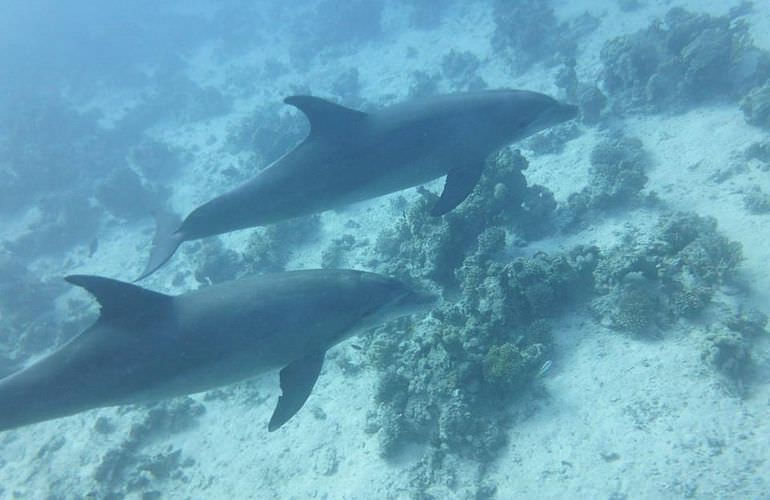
(167, 240)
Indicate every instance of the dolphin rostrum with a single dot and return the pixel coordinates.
(351, 156)
(148, 346)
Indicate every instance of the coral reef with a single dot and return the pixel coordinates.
(334, 25)
(334, 255)
(347, 84)
(216, 263)
(423, 84)
(124, 195)
(266, 134)
(27, 309)
(48, 147)
(449, 381)
(126, 469)
(759, 151)
(432, 248)
(757, 201)
(756, 107)
(527, 32)
(460, 68)
(269, 248)
(684, 60)
(675, 274)
(617, 172)
(65, 220)
(156, 160)
(617, 177)
(728, 345)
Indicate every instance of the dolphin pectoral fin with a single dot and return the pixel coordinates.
(297, 380)
(167, 239)
(458, 185)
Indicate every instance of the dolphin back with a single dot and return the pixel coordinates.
(85, 372)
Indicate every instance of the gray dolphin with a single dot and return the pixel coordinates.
(148, 346)
(351, 156)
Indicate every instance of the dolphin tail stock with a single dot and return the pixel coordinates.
(167, 239)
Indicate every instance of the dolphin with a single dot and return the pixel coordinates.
(147, 346)
(351, 156)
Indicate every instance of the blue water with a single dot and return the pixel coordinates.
(602, 324)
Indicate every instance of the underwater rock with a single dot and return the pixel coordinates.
(756, 107)
(685, 60)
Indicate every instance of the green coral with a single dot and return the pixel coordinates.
(507, 367)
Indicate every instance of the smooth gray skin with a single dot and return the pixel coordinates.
(351, 156)
(148, 346)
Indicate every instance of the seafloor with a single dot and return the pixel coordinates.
(638, 270)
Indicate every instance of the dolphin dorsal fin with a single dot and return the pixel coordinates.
(326, 117)
(119, 300)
